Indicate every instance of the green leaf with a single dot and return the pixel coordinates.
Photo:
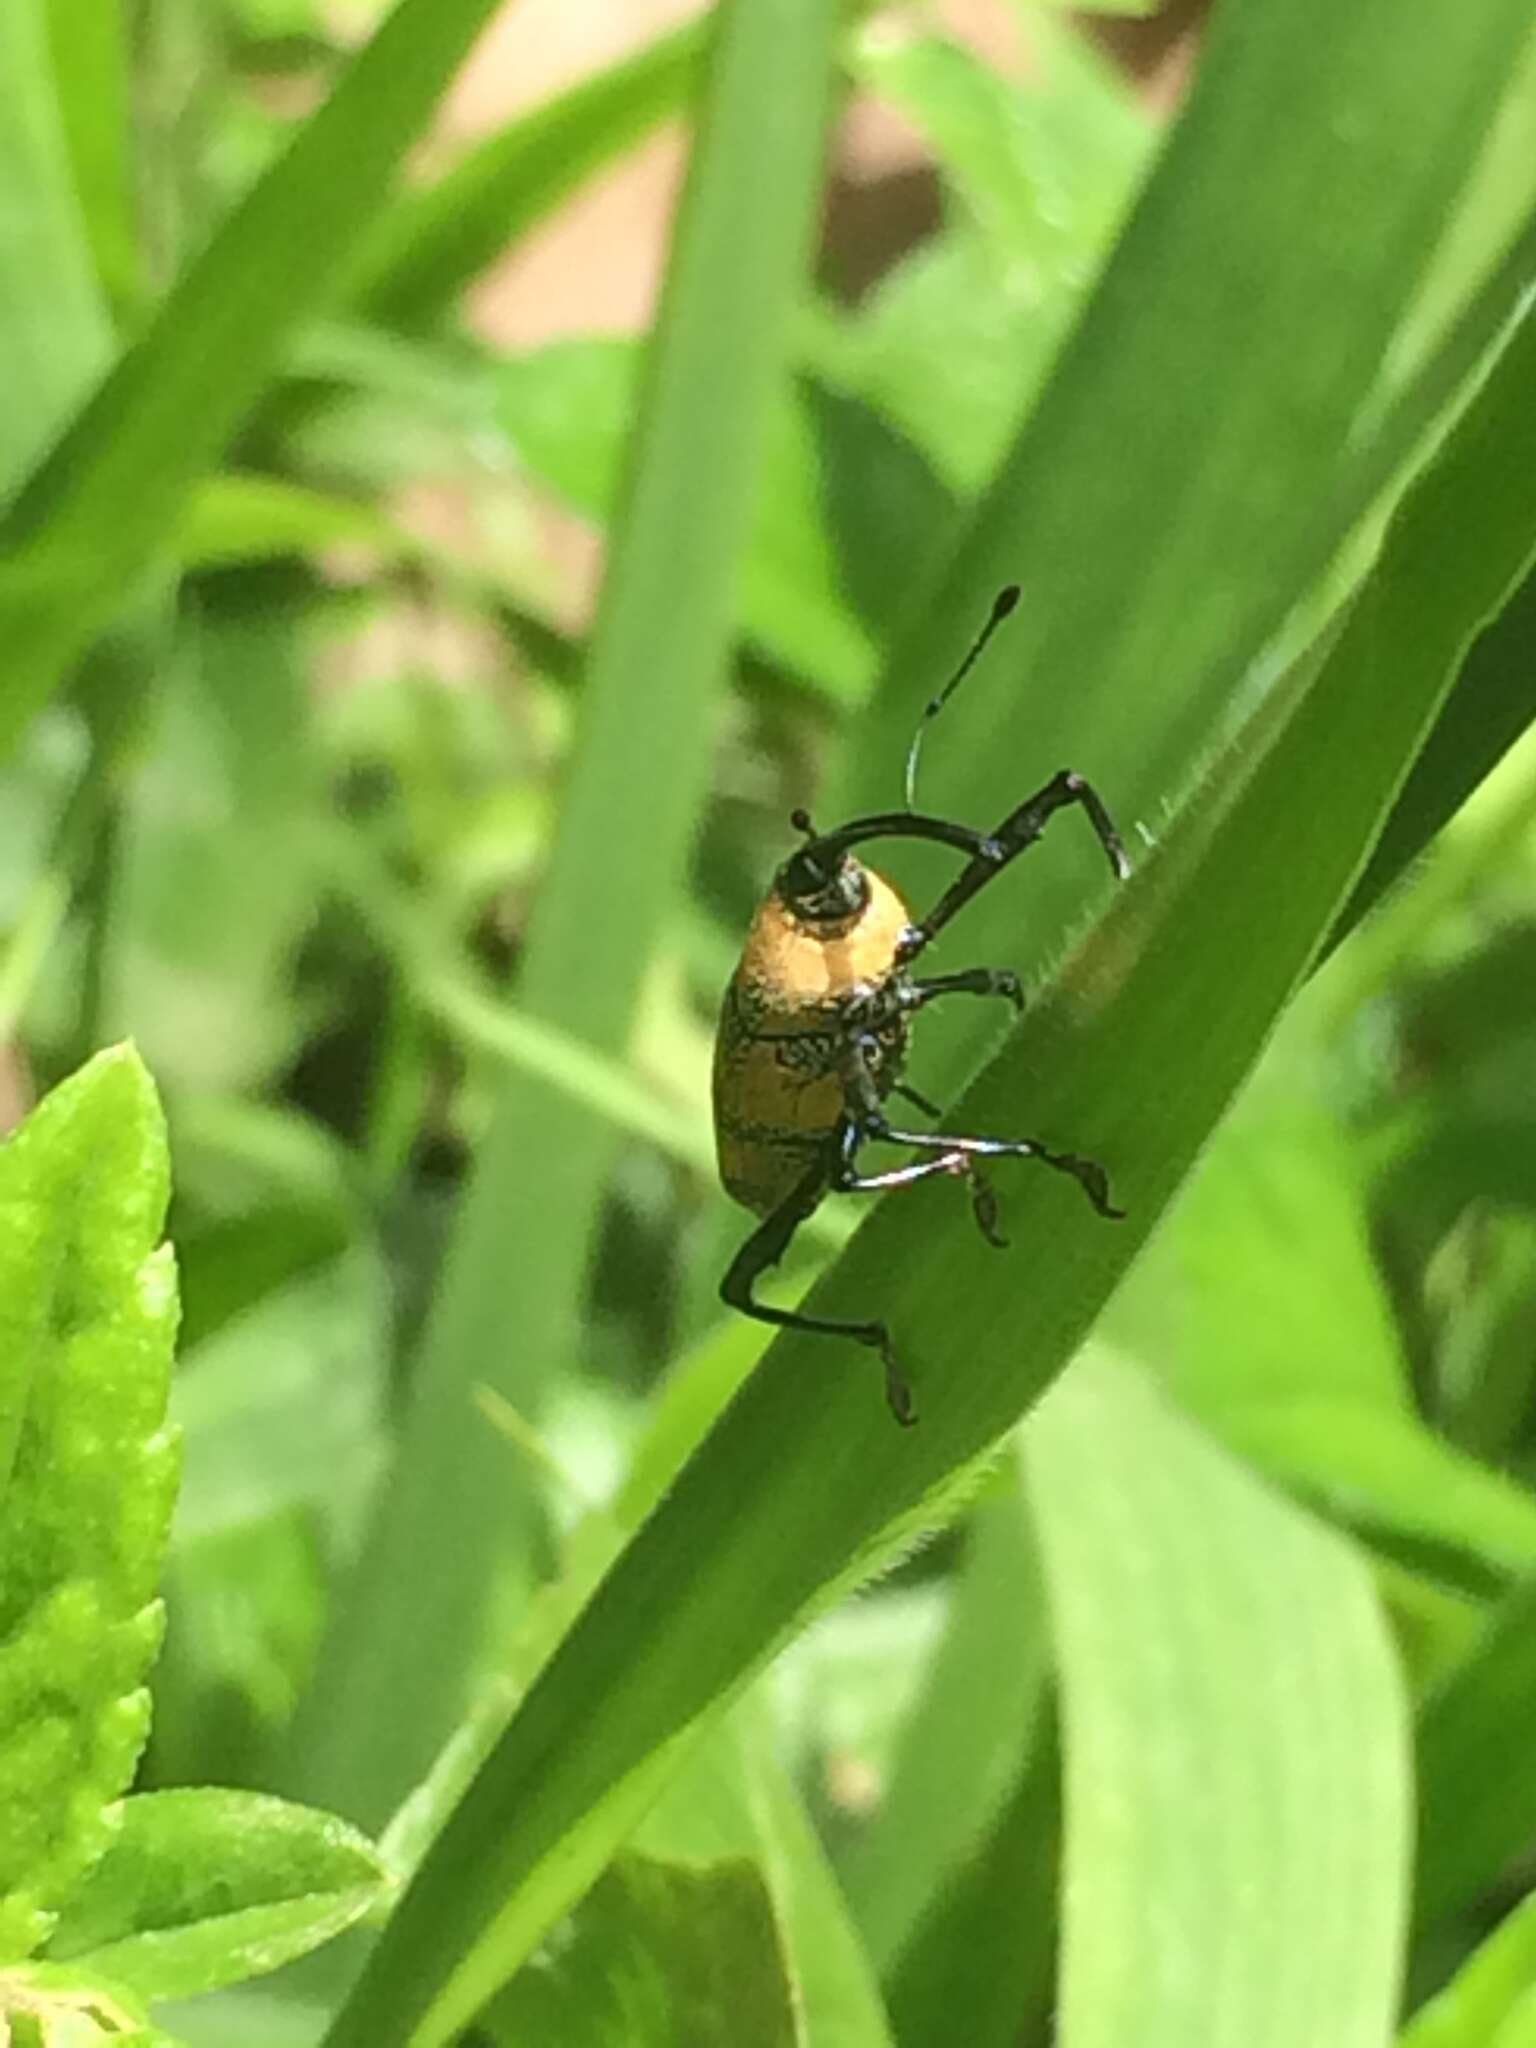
(955, 341)
(726, 1566)
(662, 1953)
(88, 44)
(90, 1305)
(1277, 1194)
(215, 872)
(1487, 1363)
(1237, 1790)
(281, 1407)
(1309, 1382)
(733, 1799)
(247, 518)
(563, 1061)
(982, 1955)
(1045, 199)
(455, 1515)
(969, 1736)
(45, 2007)
(567, 409)
(836, 1995)
(1477, 1780)
(264, 1197)
(1397, 1483)
(203, 1888)
(435, 242)
(1495, 1984)
(109, 496)
(1493, 703)
(53, 327)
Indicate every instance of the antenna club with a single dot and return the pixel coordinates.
(1002, 605)
(800, 818)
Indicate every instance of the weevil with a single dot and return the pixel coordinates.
(817, 1019)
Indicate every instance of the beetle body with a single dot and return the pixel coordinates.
(815, 1025)
(780, 1081)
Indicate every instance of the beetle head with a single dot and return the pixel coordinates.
(821, 883)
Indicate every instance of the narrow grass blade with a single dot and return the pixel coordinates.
(53, 326)
(1492, 705)
(566, 408)
(965, 1742)
(451, 1521)
(95, 514)
(1495, 1987)
(1476, 1774)
(89, 43)
(727, 1881)
(435, 242)
(661, 1952)
(837, 1997)
(982, 1957)
(242, 517)
(1237, 1781)
(733, 1799)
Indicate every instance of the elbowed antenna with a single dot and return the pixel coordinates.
(1002, 605)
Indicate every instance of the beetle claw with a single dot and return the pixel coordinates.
(898, 1395)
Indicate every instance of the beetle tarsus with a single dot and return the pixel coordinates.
(1015, 835)
(1091, 1178)
(898, 1394)
(984, 1206)
(970, 981)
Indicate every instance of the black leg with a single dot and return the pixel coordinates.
(868, 1119)
(971, 981)
(902, 825)
(959, 1164)
(981, 981)
(765, 1247)
(1088, 1173)
(848, 1180)
(1020, 829)
(918, 1101)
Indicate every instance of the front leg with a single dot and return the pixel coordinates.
(916, 1097)
(1019, 830)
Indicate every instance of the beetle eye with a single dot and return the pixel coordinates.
(820, 883)
(805, 874)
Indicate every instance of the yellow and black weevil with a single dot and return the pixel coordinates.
(815, 1026)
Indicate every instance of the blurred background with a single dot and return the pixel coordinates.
(289, 824)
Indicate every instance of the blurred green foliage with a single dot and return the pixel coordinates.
(1205, 1721)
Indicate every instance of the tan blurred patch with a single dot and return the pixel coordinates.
(597, 267)
(18, 1090)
